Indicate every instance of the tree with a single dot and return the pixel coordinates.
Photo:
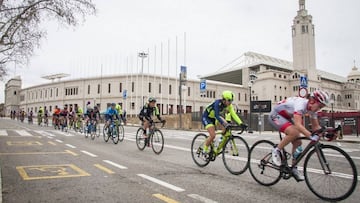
(20, 21)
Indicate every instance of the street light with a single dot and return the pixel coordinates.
(252, 78)
(332, 112)
(142, 55)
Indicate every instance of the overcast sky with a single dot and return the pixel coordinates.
(208, 34)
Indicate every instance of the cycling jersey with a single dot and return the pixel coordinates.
(147, 112)
(281, 116)
(79, 111)
(217, 109)
(118, 109)
(110, 113)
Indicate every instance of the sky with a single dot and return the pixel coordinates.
(203, 35)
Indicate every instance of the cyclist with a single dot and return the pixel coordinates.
(46, 115)
(64, 116)
(40, 115)
(56, 115)
(149, 109)
(120, 112)
(286, 117)
(78, 115)
(109, 114)
(214, 116)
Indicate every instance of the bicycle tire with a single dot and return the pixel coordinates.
(115, 135)
(97, 128)
(157, 141)
(260, 163)
(105, 135)
(121, 133)
(235, 155)
(140, 141)
(197, 150)
(340, 183)
(92, 131)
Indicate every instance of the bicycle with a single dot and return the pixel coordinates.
(114, 130)
(234, 150)
(90, 129)
(327, 179)
(155, 139)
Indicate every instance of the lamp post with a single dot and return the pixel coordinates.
(142, 55)
(332, 112)
(252, 78)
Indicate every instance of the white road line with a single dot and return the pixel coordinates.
(71, 146)
(3, 133)
(50, 137)
(23, 133)
(162, 183)
(201, 198)
(115, 164)
(88, 153)
(59, 141)
(41, 132)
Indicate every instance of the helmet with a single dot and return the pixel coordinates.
(113, 104)
(320, 96)
(228, 95)
(152, 99)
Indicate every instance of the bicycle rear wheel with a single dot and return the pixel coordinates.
(260, 163)
(92, 131)
(235, 155)
(197, 154)
(330, 173)
(105, 133)
(140, 140)
(157, 141)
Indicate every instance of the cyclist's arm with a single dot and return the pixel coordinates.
(298, 124)
(234, 116)
(217, 112)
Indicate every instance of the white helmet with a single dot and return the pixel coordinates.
(321, 97)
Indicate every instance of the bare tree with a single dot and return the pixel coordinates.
(20, 21)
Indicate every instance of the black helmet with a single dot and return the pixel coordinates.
(152, 99)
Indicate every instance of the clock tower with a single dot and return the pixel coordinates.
(303, 39)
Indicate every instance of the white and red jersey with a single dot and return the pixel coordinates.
(294, 105)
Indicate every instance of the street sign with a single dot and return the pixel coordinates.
(303, 92)
(183, 73)
(124, 94)
(203, 86)
(303, 81)
(260, 106)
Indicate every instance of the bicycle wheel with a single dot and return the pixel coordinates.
(92, 131)
(140, 140)
(121, 133)
(330, 173)
(97, 129)
(197, 150)
(235, 155)
(260, 163)
(105, 133)
(157, 141)
(115, 135)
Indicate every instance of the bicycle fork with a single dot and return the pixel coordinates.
(324, 164)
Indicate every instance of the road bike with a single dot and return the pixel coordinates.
(114, 130)
(234, 150)
(91, 129)
(329, 171)
(154, 139)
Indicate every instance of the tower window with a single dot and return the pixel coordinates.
(304, 29)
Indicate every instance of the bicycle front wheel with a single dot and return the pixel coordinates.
(105, 133)
(235, 155)
(197, 154)
(157, 141)
(260, 163)
(92, 131)
(121, 133)
(115, 135)
(330, 173)
(140, 140)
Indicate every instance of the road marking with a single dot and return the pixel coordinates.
(60, 141)
(71, 152)
(162, 183)
(50, 171)
(23, 143)
(88, 153)
(104, 169)
(23, 133)
(164, 198)
(71, 146)
(201, 198)
(3, 133)
(115, 164)
(52, 143)
(39, 153)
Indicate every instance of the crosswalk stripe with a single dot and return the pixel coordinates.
(23, 133)
(3, 133)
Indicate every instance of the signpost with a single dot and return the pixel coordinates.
(183, 78)
(303, 86)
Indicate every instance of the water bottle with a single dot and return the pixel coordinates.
(147, 131)
(220, 139)
(297, 152)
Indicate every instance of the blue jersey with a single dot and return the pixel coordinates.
(111, 111)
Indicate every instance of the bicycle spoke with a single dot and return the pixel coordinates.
(235, 155)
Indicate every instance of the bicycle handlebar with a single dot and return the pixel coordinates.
(325, 132)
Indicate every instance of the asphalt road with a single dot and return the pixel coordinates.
(40, 164)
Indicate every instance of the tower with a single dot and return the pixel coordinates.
(303, 38)
(12, 95)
